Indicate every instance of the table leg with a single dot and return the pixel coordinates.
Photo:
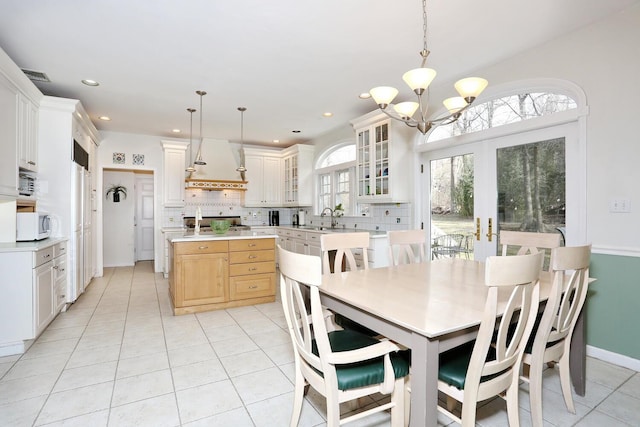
(424, 382)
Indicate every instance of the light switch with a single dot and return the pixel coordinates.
(620, 205)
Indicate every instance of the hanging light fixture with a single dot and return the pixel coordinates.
(192, 167)
(418, 80)
(242, 169)
(198, 160)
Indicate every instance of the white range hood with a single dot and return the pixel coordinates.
(220, 171)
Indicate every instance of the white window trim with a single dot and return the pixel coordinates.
(332, 170)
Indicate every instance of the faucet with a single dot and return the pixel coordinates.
(334, 223)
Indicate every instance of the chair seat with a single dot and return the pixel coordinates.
(454, 365)
(346, 323)
(364, 373)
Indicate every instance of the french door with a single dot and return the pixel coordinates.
(527, 181)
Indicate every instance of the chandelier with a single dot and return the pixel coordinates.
(418, 80)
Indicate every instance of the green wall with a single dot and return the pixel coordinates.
(613, 304)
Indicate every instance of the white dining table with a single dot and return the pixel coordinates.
(428, 307)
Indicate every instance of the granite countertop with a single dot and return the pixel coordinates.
(30, 246)
(229, 235)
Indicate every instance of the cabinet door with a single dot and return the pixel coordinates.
(43, 297)
(174, 161)
(271, 180)
(8, 138)
(27, 134)
(254, 196)
(204, 278)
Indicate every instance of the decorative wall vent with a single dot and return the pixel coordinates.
(36, 76)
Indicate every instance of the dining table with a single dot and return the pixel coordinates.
(430, 308)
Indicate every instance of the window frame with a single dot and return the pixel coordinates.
(334, 171)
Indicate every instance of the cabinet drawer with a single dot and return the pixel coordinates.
(313, 237)
(60, 249)
(252, 268)
(203, 246)
(251, 244)
(257, 285)
(252, 256)
(42, 256)
(59, 269)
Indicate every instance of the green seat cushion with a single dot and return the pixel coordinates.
(347, 323)
(360, 374)
(455, 363)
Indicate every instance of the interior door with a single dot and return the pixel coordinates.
(525, 181)
(144, 217)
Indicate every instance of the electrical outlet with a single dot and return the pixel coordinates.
(170, 219)
(620, 205)
(397, 220)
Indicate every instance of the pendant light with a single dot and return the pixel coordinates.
(198, 160)
(242, 169)
(192, 167)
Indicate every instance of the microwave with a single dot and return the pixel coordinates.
(32, 226)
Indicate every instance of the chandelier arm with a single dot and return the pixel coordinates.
(409, 122)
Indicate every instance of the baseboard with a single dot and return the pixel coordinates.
(614, 358)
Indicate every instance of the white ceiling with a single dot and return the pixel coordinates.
(287, 61)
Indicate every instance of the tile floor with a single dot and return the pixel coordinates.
(118, 357)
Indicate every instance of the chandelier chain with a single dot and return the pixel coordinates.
(424, 25)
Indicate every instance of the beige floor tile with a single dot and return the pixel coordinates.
(142, 365)
(26, 388)
(234, 346)
(94, 419)
(622, 407)
(141, 387)
(261, 385)
(39, 366)
(207, 400)
(61, 334)
(224, 333)
(48, 349)
(72, 403)
(93, 356)
(160, 411)
(607, 374)
(245, 363)
(632, 387)
(281, 354)
(598, 419)
(22, 412)
(236, 418)
(272, 338)
(191, 354)
(199, 373)
(276, 411)
(86, 375)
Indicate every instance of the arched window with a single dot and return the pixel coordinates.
(503, 111)
(335, 172)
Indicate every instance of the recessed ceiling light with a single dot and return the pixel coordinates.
(90, 82)
(276, 141)
(105, 118)
(327, 114)
(295, 131)
(364, 95)
(176, 130)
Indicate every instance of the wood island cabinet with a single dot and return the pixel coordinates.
(214, 274)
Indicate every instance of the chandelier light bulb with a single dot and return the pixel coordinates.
(419, 79)
(455, 104)
(406, 110)
(383, 95)
(471, 87)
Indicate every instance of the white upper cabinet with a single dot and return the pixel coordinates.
(27, 134)
(8, 135)
(173, 172)
(264, 178)
(298, 175)
(384, 159)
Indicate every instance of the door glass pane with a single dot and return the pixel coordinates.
(452, 207)
(531, 187)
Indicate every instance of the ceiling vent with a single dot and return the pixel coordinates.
(36, 76)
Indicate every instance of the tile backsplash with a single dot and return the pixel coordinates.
(392, 216)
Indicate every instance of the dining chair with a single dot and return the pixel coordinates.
(346, 246)
(528, 242)
(342, 365)
(489, 366)
(402, 244)
(550, 340)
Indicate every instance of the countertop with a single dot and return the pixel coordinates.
(374, 234)
(229, 235)
(30, 246)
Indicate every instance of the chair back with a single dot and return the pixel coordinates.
(519, 276)
(345, 244)
(402, 244)
(528, 242)
(447, 245)
(570, 270)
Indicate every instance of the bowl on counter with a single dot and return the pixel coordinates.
(220, 226)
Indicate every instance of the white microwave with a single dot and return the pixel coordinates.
(32, 226)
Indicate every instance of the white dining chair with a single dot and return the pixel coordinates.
(342, 365)
(406, 246)
(346, 247)
(489, 366)
(551, 338)
(525, 242)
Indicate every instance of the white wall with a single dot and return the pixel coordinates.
(604, 60)
(117, 220)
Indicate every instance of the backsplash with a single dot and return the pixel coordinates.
(393, 216)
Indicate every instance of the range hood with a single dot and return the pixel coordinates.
(220, 171)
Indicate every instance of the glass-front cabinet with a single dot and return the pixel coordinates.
(384, 161)
(298, 175)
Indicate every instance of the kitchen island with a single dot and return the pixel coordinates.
(216, 271)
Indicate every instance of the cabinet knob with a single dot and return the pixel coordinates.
(56, 267)
(253, 287)
(253, 268)
(251, 245)
(252, 257)
(203, 247)
(31, 162)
